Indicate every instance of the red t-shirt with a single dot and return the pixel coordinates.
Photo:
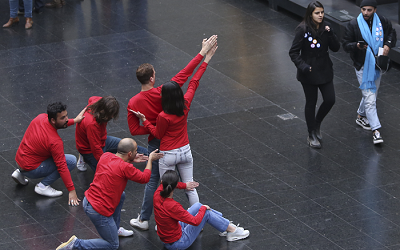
(172, 129)
(112, 174)
(168, 213)
(149, 102)
(41, 142)
(91, 136)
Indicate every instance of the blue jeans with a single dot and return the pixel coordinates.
(183, 160)
(152, 185)
(190, 232)
(14, 8)
(111, 146)
(367, 106)
(107, 227)
(49, 171)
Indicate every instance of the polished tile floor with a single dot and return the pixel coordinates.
(247, 129)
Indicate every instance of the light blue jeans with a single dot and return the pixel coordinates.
(183, 160)
(49, 171)
(190, 232)
(14, 8)
(107, 227)
(152, 185)
(111, 146)
(367, 106)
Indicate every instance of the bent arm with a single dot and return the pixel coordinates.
(295, 50)
(349, 39)
(134, 125)
(334, 43)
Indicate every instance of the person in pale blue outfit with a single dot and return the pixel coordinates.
(363, 38)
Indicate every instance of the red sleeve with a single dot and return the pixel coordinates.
(184, 74)
(93, 135)
(136, 175)
(181, 185)
(134, 124)
(57, 153)
(183, 215)
(194, 83)
(159, 130)
(70, 122)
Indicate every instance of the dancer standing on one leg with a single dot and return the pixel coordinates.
(309, 52)
(171, 127)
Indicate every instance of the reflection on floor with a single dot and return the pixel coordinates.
(251, 164)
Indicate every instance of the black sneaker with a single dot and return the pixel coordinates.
(363, 122)
(377, 137)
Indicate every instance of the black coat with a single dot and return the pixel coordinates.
(353, 35)
(312, 51)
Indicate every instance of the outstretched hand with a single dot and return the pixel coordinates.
(141, 158)
(155, 155)
(191, 185)
(207, 44)
(139, 115)
(80, 116)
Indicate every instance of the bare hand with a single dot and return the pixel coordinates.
(73, 198)
(208, 208)
(139, 115)
(141, 158)
(80, 116)
(207, 44)
(386, 50)
(155, 156)
(327, 28)
(210, 53)
(191, 185)
(362, 47)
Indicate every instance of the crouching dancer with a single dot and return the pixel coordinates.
(104, 198)
(178, 228)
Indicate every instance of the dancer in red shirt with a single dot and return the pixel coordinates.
(148, 102)
(171, 127)
(105, 197)
(41, 153)
(91, 135)
(178, 228)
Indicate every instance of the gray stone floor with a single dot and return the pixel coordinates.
(252, 165)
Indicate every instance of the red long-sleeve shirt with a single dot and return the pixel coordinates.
(41, 142)
(110, 179)
(91, 136)
(172, 129)
(149, 102)
(168, 213)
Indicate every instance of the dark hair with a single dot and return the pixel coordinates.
(169, 181)
(172, 98)
(105, 109)
(144, 72)
(308, 20)
(54, 108)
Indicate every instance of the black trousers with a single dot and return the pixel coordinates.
(311, 93)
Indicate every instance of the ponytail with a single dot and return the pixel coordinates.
(169, 181)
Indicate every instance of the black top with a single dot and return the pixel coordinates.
(310, 50)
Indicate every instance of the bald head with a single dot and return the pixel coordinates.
(126, 145)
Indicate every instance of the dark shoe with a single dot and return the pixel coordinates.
(377, 138)
(54, 4)
(313, 140)
(318, 130)
(11, 22)
(38, 11)
(28, 24)
(363, 122)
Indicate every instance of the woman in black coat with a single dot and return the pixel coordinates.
(309, 52)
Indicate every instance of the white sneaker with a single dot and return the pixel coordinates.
(238, 234)
(124, 233)
(19, 178)
(144, 225)
(67, 245)
(223, 234)
(48, 191)
(80, 164)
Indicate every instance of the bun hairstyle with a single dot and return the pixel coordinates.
(169, 181)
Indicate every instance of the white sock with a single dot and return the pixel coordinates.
(41, 185)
